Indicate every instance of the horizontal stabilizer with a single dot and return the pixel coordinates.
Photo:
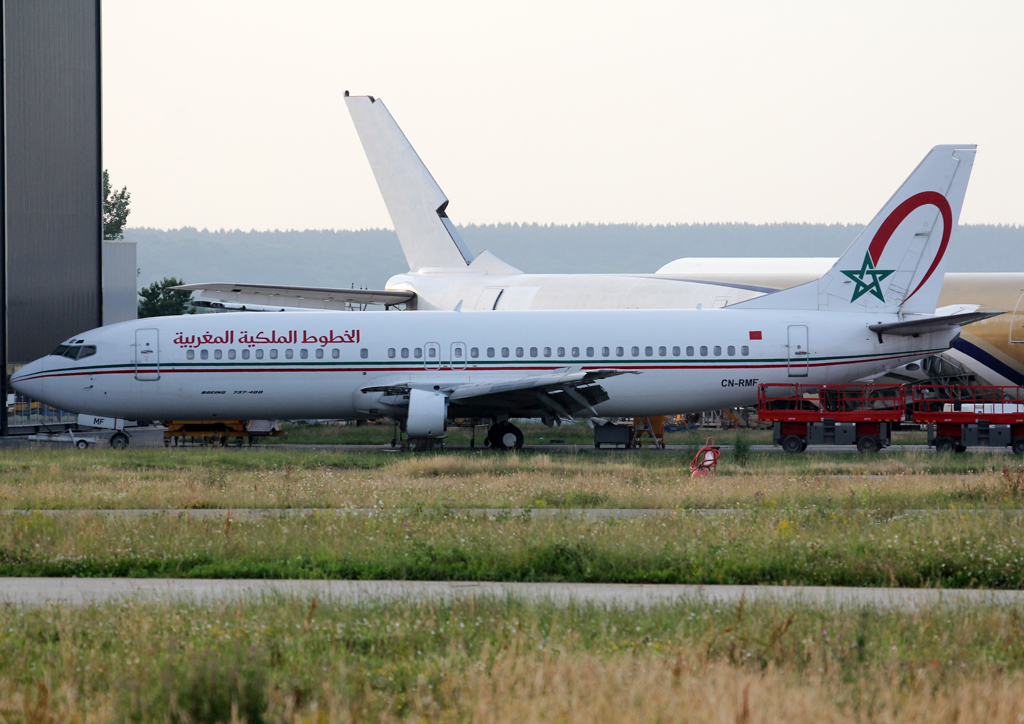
(913, 327)
(273, 296)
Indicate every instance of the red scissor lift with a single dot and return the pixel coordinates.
(860, 415)
(959, 416)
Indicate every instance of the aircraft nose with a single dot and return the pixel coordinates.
(28, 380)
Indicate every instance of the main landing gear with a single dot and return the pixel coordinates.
(504, 436)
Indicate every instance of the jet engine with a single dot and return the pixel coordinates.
(428, 414)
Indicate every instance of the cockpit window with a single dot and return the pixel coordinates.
(75, 351)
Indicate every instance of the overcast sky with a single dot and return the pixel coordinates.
(227, 114)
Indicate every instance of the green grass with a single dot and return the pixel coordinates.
(819, 546)
(297, 659)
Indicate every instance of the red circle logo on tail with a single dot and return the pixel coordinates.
(901, 212)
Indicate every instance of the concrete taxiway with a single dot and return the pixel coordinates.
(84, 591)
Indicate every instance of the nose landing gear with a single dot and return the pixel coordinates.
(505, 436)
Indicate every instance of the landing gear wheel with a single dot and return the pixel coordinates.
(1018, 446)
(867, 444)
(81, 444)
(119, 441)
(944, 444)
(505, 436)
(793, 444)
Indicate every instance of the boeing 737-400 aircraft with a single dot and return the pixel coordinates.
(874, 309)
(443, 273)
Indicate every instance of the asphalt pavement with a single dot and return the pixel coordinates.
(83, 591)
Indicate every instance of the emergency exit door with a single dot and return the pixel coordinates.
(147, 355)
(799, 351)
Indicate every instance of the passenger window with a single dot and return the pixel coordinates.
(745, 350)
(335, 353)
(649, 351)
(474, 352)
(191, 354)
(547, 351)
(561, 351)
(405, 353)
(533, 351)
(606, 351)
(590, 352)
(391, 353)
(490, 351)
(204, 354)
(575, 351)
(703, 351)
(245, 354)
(504, 351)
(662, 352)
(457, 353)
(689, 351)
(620, 351)
(217, 354)
(289, 353)
(519, 352)
(432, 352)
(364, 353)
(417, 352)
(675, 351)
(304, 353)
(273, 354)
(636, 351)
(731, 350)
(231, 354)
(259, 354)
(320, 353)
(718, 351)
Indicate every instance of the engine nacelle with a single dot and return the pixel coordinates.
(428, 414)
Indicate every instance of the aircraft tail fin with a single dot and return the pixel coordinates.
(414, 200)
(898, 261)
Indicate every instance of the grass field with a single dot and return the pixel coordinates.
(533, 432)
(296, 478)
(302, 660)
(813, 546)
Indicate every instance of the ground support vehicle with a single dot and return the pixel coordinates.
(803, 415)
(213, 432)
(962, 416)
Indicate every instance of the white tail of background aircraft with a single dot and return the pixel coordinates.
(897, 263)
(414, 200)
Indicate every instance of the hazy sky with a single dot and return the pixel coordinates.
(230, 114)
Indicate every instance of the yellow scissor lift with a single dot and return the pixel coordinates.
(218, 432)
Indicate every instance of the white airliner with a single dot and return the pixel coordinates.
(443, 273)
(873, 310)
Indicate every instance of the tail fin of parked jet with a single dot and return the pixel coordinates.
(898, 261)
(414, 200)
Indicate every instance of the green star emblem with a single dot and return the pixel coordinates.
(861, 278)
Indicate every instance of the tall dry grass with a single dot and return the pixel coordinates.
(300, 660)
(289, 479)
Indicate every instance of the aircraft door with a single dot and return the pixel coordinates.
(1017, 323)
(147, 355)
(432, 356)
(799, 351)
(458, 356)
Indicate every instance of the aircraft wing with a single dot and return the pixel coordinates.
(265, 296)
(559, 395)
